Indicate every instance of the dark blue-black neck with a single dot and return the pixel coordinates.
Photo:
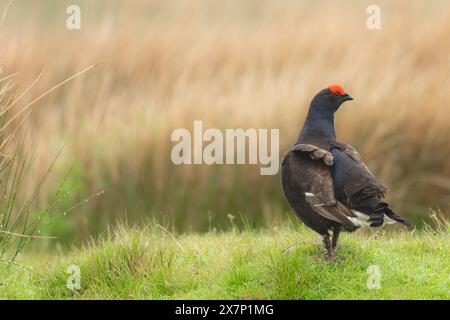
(319, 122)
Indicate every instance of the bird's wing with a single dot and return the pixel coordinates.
(317, 178)
(358, 188)
(370, 178)
(314, 152)
(354, 154)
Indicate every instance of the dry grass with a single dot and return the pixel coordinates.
(234, 64)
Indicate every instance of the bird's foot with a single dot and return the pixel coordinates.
(331, 256)
(332, 259)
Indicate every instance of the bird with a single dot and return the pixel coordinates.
(326, 182)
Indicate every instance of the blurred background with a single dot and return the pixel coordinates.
(231, 64)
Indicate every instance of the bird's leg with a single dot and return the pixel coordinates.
(328, 247)
(334, 240)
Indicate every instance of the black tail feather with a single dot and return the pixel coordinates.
(391, 214)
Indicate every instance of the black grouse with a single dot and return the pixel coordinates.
(326, 182)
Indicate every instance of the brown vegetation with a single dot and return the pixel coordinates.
(232, 64)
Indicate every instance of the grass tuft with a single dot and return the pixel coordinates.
(134, 263)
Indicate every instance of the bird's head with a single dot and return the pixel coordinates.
(331, 98)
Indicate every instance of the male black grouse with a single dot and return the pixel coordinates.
(326, 182)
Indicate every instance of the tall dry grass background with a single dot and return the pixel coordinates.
(232, 64)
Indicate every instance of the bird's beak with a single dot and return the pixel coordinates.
(347, 97)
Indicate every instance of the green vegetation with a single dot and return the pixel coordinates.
(243, 65)
(279, 263)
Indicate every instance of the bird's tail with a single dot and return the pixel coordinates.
(391, 214)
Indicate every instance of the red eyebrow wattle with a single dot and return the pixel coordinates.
(335, 88)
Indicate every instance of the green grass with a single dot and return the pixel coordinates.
(151, 263)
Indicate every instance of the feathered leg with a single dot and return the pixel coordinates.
(334, 240)
(328, 247)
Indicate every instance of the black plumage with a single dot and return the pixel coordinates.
(326, 182)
